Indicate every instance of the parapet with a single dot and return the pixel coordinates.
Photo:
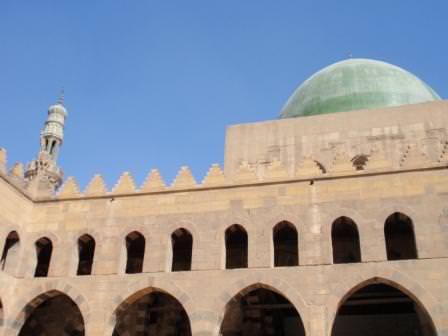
(279, 151)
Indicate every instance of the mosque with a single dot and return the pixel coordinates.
(331, 220)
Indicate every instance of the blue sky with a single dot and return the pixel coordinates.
(153, 84)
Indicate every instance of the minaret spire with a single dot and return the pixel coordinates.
(44, 170)
(61, 97)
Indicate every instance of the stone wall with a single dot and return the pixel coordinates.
(311, 202)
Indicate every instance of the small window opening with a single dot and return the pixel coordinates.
(345, 241)
(86, 251)
(135, 246)
(400, 238)
(360, 161)
(10, 250)
(53, 145)
(44, 248)
(236, 247)
(285, 245)
(182, 245)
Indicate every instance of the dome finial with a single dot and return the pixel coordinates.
(61, 97)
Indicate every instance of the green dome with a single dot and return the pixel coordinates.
(356, 84)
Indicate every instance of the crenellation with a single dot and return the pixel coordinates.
(125, 184)
(69, 189)
(17, 171)
(3, 161)
(214, 177)
(184, 179)
(153, 182)
(96, 187)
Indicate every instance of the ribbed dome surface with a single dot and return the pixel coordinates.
(356, 84)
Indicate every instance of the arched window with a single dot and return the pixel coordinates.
(345, 241)
(182, 247)
(10, 251)
(86, 251)
(285, 245)
(400, 238)
(236, 247)
(135, 246)
(44, 248)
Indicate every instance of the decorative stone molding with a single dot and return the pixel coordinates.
(276, 170)
(413, 156)
(309, 168)
(245, 173)
(342, 164)
(377, 160)
(444, 153)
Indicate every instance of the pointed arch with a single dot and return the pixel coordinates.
(400, 237)
(149, 311)
(11, 249)
(345, 241)
(86, 253)
(286, 246)
(236, 242)
(182, 250)
(385, 306)
(135, 248)
(44, 249)
(261, 310)
(52, 313)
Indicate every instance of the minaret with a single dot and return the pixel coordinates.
(43, 174)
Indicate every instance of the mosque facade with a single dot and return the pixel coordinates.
(331, 220)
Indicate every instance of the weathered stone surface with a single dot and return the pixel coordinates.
(316, 287)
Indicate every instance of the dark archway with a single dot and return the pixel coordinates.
(400, 237)
(286, 251)
(155, 313)
(345, 241)
(135, 247)
(236, 247)
(44, 249)
(52, 313)
(261, 312)
(380, 309)
(86, 252)
(10, 254)
(182, 248)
